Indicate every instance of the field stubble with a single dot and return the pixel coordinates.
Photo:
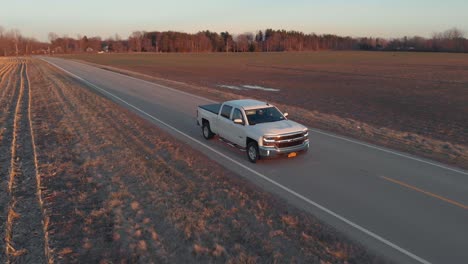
(22, 223)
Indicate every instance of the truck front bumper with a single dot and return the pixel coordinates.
(273, 151)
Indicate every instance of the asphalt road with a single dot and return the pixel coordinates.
(409, 209)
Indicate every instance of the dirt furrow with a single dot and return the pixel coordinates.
(24, 236)
(7, 78)
(4, 71)
(8, 101)
(45, 220)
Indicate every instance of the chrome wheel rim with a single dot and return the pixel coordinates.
(252, 153)
(205, 131)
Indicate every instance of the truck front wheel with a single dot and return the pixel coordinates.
(207, 134)
(252, 152)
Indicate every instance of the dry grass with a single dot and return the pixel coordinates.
(114, 188)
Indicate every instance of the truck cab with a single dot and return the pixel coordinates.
(257, 127)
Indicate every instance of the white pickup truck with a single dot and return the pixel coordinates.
(257, 127)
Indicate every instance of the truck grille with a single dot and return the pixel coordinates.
(290, 144)
(285, 137)
(285, 141)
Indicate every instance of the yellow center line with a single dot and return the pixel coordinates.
(426, 192)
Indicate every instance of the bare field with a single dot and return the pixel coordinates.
(414, 102)
(423, 93)
(84, 180)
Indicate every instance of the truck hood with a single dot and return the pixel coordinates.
(277, 128)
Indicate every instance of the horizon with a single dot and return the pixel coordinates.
(363, 19)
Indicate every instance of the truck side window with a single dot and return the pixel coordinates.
(226, 111)
(237, 115)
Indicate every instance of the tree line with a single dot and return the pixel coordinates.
(12, 43)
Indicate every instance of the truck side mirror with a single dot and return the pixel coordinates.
(238, 121)
(285, 114)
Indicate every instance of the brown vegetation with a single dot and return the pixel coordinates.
(12, 43)
(415, 102)
(262, 41)
(111, 187)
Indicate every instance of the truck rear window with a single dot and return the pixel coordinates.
(226, 111)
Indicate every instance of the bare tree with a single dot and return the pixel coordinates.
(16, 37)
(242, 43)
(269, 40)
(135, 41)
(52, 36)
(228, 41)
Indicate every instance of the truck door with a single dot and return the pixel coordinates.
(237, 130)
(224, 121)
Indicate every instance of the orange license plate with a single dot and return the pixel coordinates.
(292, 155)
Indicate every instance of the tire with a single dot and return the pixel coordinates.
(252, 152)
(206, 131)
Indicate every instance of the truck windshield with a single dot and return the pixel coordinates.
(263, 115)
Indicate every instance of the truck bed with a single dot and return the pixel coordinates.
(213, 108)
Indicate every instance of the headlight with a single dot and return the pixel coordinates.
(305, 133)
(269, 141)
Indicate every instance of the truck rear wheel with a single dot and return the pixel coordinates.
(207, 133)
(252, 152)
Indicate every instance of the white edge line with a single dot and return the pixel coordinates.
(311, 129)
(360, 228)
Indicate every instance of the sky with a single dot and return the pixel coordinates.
(358, 18)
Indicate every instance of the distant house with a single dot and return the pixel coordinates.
(42, 51)
(57, 50)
